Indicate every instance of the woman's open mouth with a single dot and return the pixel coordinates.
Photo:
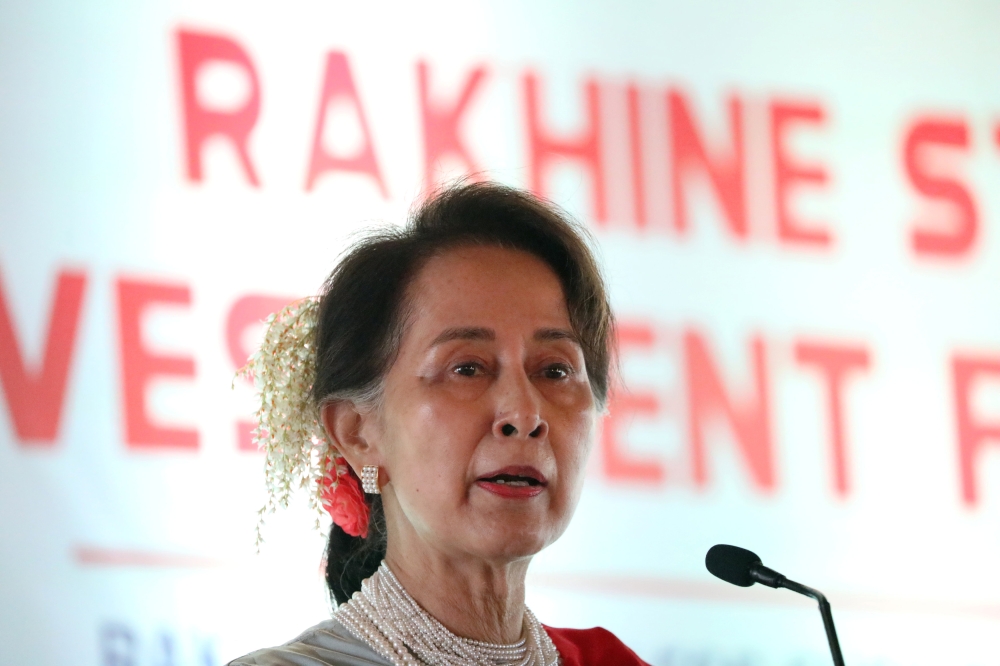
(514, 482)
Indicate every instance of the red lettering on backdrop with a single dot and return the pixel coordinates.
(441, 123)
(245, 312)
(834, 363)
(338, 83)
(634, 105)
(749, 418)
(139, 365)
(583, 147)
(789, 173)
(973, 435)
(35, 398)
(200, 123)
(619, 464)
(725, 172)
(938, 134)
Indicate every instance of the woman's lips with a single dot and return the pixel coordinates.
(515, 481)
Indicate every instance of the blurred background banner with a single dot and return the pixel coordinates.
(796, 205)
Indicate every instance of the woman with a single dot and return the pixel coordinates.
(457, 368)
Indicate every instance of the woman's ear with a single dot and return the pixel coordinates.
(343, 420)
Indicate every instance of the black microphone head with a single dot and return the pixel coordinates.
(731, 564)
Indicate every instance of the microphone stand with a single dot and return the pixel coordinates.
(824, 610)
(772, 578)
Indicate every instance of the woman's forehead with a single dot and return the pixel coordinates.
(486, 288)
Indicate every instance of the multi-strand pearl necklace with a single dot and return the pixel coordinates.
(387, 618)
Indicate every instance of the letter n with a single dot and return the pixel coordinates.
(725, 171)
(749, 418)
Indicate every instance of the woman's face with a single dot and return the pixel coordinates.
(488, 415)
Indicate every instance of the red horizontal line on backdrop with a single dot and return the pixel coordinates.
(616, 585)
(687, 590)
(125, 557)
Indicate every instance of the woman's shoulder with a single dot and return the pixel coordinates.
(328, 643)
(581, 647)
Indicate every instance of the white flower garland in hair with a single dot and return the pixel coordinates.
(297, 452)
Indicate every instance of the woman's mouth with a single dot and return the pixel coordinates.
(514, 482)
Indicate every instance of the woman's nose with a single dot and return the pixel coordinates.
(504, 428)
(518, 410)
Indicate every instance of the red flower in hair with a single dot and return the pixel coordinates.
(345, 502)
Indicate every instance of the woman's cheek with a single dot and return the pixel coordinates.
(583, 440)
(573, 395)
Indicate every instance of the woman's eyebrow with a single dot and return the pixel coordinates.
(547, 334)
(464, 333)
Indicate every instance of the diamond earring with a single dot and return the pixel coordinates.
(369, 479)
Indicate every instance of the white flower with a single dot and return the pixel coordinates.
(288, 427)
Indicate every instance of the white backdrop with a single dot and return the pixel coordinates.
(796, 205)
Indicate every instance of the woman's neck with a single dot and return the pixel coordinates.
(472, 598)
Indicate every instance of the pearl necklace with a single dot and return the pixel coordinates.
(388, 619)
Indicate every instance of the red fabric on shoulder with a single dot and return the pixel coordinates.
(587, 647)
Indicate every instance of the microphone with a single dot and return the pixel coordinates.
(742, 567)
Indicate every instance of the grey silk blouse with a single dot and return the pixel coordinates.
(329, 643)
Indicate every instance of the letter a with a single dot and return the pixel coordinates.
(338, 82)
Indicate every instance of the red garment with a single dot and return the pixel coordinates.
(597, 647)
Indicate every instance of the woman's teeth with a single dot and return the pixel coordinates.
(515, 482)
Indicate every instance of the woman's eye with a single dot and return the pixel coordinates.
(467, 369)
(557, 371)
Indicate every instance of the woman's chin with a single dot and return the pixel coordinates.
(511, 550)
(510, 541)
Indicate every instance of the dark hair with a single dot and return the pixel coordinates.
(362, 315)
